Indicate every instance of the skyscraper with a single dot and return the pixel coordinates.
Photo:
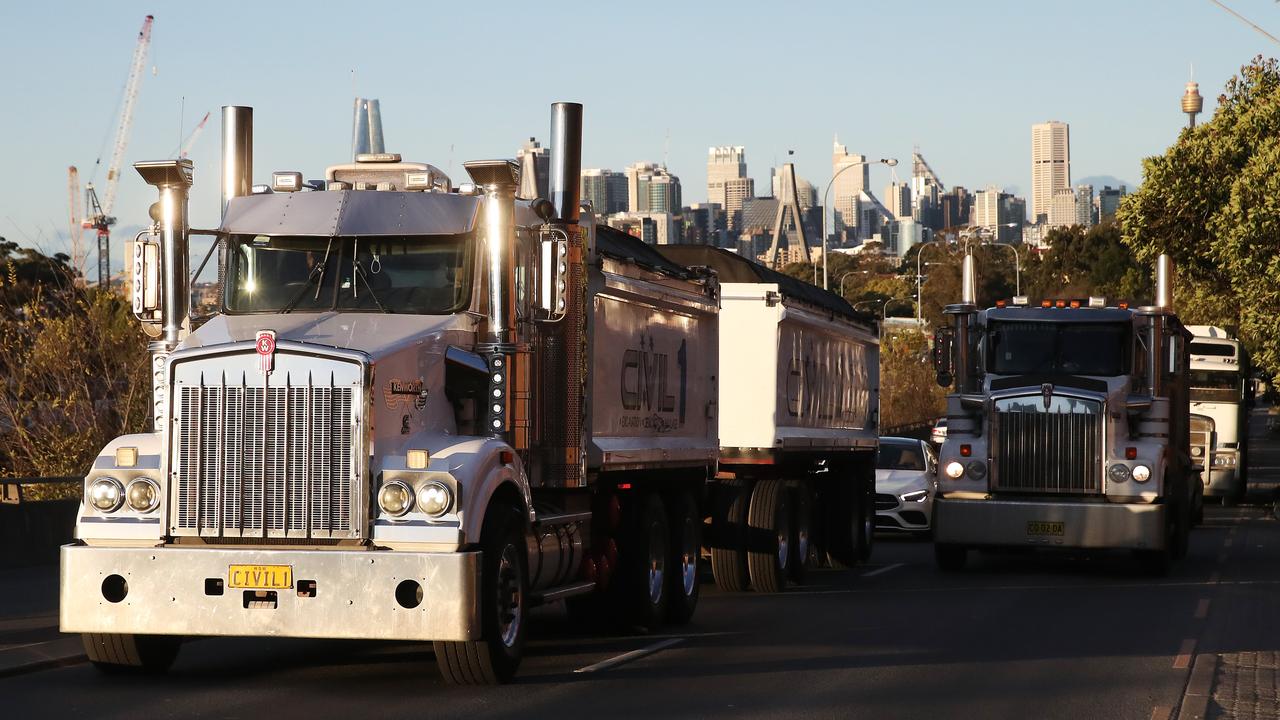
(736, 193)
(1109, 202)
(536, 159)
(846, 186)
(1050, 165)
(637, 200)
(724, 164)
(1072, 206)
(897, 198)
(606, 190)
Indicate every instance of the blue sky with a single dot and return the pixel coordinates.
(460, 81)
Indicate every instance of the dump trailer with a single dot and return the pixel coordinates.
(1068, 427)
(799, 404)
(421, 409)
(1221, 396)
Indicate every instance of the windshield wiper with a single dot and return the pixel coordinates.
(360, 273)
(316, 276)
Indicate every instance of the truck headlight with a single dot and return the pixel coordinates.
(395, 498)
(917, 496)
(976, 469)
(1118, 473)
(106, 494)
(142, 495)
(954, 470)
(434, 499)
(1141, 473)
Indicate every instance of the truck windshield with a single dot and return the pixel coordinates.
(425, 275)
(1047, 348)
(1215, 386)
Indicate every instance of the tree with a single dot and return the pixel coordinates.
(1212, 202)
(909, 393)
(1088, 261)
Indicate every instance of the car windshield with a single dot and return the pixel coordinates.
(425, 275)
(900, 456)
(1047, 348)
(1215, 386)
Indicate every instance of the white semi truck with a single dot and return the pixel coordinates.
(1221, 396)
(1068, 427)
(423, 408)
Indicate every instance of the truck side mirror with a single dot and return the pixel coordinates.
(146, 282)
(943, 362)
(553, 274)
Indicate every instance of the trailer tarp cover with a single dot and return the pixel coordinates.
(624, 246)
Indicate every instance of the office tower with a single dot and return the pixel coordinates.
(637, 200)
(703, 224)
(1084, 205)
(736, 193)
(535, 169)
(606, 190)
(1050, 165)
(954, 206)
(725, 164)
(926, 188)
(999, 214)
(663, 190)
(1109, 202)
(897, 198)
(846, 185)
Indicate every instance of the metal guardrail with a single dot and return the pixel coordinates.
(11, 488)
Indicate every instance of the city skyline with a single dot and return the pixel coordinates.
(303, 99)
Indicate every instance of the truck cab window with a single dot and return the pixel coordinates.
(1045, 348)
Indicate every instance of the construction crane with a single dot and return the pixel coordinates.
(76, 231)
(191, 139)
(99, 213)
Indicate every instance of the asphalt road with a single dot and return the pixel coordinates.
(1037, 635)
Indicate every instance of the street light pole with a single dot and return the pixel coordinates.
(919, 254)
(1017, 261)
(891, 162)
(846, 275)
(885, 310)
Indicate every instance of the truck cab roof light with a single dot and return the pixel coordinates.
(1124, 306)
(1000, 303)
(1075, 304)
(260, 190)
(1020, 300)
(378, 158)
(1097, 302)
(286, 181)
(1060, 304)
(337, 185)
(1046, 303)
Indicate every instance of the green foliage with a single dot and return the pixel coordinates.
(1087, 261)
(1212, 202)
(908, 391)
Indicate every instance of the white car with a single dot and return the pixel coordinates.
(906, 481)
(939, 433)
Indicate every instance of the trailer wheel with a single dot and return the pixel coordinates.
(645, 563)
(686, 548)
(504, 579)
(950, 558)
(865, 532)
(114, 653)
(769, 537)
(728, 551)
(801, 531)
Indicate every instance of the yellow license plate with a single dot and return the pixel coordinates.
(1040, 527)
(260, 577)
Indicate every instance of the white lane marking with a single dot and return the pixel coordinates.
(1202, 609)
(883, 570)
(1161, 712)
(629, 656)
(1213, 580)
(1183, 660)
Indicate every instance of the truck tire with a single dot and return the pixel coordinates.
(728, 551)
(950, 558)
(686, 549)
(801, 531)
(504, 581)
(769, 536)
(865, 537)
(644, 564)
(131, 653)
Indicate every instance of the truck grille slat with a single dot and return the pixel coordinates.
(265, 462)
(1048, 452)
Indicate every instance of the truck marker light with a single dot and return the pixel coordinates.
(1131, 453)
(1075, 304)
(506, 457)
(624, 486)
(1000, 303)
(1141, 473)
(954, 470)
(126, 457)
(1097, 302)
(1060, 304)
(417, 459)
(1124, 306)
(1046, 303)
(1019, 300)
(966, 450)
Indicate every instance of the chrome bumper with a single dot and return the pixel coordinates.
(1223, 482)
(1084, 525)
(168, 593)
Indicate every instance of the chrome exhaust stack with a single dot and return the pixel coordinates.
(565, 182)
(962, 315)
(1155, 314)
(1164, 283)
(237, 153)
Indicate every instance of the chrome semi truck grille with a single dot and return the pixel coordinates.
(1058, 451)
(265, 461)
(1202, 439)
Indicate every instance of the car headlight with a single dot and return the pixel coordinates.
(916, 496)
(395, 498)
(1118, 473)
(976, 469)
(434, 499)
(1141, 473)
(106, 494)
(143, 495)
(954, 470)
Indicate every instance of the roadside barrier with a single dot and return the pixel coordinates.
(32, 529)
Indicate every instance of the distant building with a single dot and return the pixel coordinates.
(638, 201)
(532, 156)
(703, 224)
(897, 198)
(606, 190)
(758, 215)
(1071, 206)
(926, 188)
(845, 187)
(655, 228)
(807, 194)
(1050, 165)
(725, 163)
(1108, 202)
(737, 192)
(664, 192)
(1000, 214)
(955, 206)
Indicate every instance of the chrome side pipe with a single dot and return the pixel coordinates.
(237, 152)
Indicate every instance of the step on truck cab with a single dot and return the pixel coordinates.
(418, 409)
(1068, 427)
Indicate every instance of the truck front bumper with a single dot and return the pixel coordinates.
(334, 593)
(1223, 482)
(1043, 523)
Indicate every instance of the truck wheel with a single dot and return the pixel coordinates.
(645, 563)
(728, 553)
(950, 558)
(131, 653)
(801, 531)
(504, 579)
(865, 533)
(686, 549)
(769, 537)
